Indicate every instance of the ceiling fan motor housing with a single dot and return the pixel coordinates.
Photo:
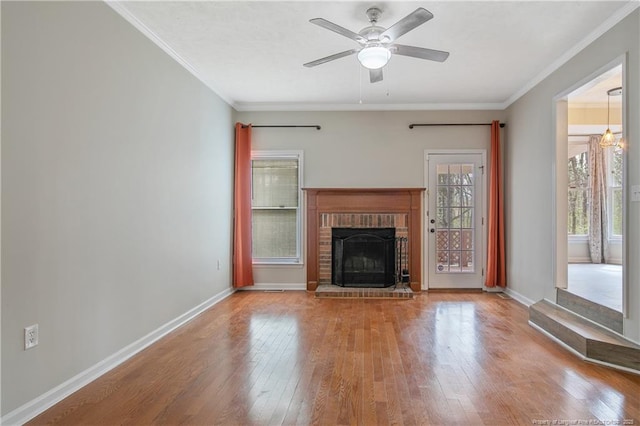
(372, 33)
(378, 43)
(373, 13)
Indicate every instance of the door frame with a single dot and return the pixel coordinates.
(559, 250)
(483, 208)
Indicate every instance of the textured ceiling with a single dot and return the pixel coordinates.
(251, 53)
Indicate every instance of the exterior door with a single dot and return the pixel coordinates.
(455, 210)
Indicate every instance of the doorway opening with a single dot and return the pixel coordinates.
(593, 171)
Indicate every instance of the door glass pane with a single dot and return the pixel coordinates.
(454, 174)
(442, 218)
(455, 221)
(467, 239)
(466, 220)
(442, 265)
(443, 240)
(455, 230)
(443, 196)
(466, 176)
(466, 196)
(442, 170)
(467, 261)
(454, 240)
(454, 261)
(456, 195)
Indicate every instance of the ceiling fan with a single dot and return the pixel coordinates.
(377, 43)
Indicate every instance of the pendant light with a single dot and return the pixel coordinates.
(608, 139)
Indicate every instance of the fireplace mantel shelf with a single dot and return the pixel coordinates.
(369, 201)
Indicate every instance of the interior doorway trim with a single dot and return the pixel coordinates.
(559, 251)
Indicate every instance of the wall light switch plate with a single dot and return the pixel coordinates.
(635, 193)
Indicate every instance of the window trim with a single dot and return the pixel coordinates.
(285, 155)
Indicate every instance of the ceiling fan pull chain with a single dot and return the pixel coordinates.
(387, 80)
(360, 80)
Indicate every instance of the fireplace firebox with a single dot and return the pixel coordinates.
(363, 257)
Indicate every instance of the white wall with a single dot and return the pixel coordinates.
(529, 172)
(363, 149)
(116, 190)
(578, 252)
(0, 214)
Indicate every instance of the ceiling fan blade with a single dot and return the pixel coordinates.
(419, 52)
(375, 75)
(406, 24)
(338, 29)
(331, 58)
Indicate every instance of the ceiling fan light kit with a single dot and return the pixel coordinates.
(374, 57)
(377, 43)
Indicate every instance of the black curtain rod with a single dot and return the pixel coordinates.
(244, 126)
(411, 126)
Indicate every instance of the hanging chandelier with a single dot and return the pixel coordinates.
(608, 139)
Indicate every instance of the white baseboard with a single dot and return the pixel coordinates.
(519, 297)
(38, 405)
(274, 287)
(579, 260)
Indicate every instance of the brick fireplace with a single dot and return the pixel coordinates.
(328, 208)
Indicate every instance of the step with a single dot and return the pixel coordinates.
(399, 291)
(592, 341)
(607, 317)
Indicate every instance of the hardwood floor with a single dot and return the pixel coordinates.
(289, 358)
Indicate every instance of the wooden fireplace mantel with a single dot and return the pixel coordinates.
(365, 200)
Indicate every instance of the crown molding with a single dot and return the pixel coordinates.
(254, 107)
(613, 20)
(618, 16)
(121, 10)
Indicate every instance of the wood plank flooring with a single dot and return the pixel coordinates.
(290, 358)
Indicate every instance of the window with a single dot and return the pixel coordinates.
(578, 202)
(579, 191)
(614, 188)
(276, 212)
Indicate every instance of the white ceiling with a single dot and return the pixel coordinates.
(594, 92)
(251, 52)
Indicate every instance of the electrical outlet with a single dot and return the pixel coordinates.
(635, 193)
(30, 336)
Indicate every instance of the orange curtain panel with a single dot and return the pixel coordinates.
(496, 268)
(242, 261)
